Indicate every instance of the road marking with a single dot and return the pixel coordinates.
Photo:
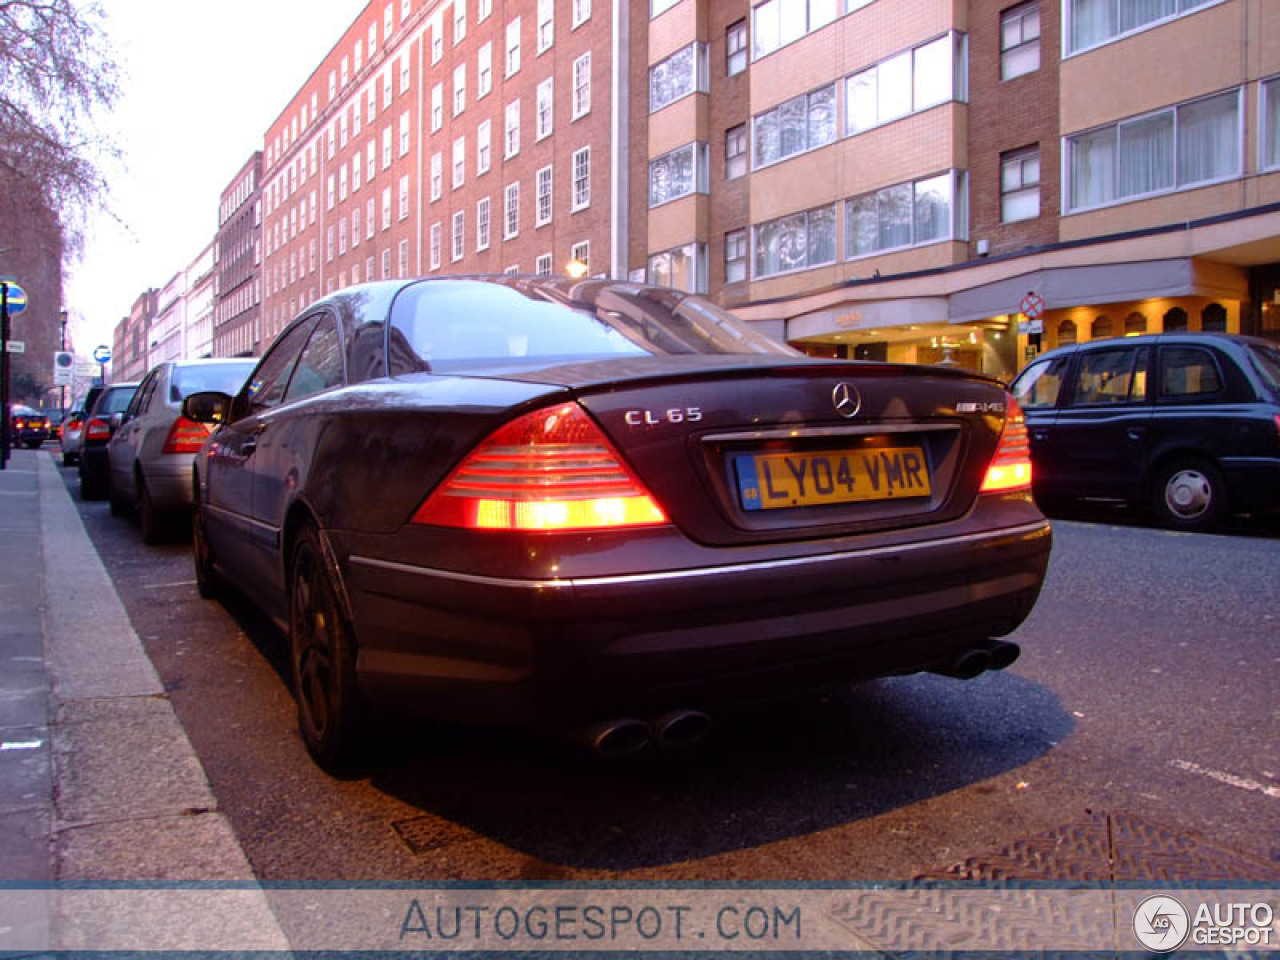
(20, 744)
(1244, 783)
(166, 586)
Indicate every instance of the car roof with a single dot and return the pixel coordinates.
(1188, 337)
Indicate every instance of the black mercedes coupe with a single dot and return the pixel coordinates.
(603, 507)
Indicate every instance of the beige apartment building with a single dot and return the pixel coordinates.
(884, 179)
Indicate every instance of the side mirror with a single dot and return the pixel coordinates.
(116, 420)
(209, 406)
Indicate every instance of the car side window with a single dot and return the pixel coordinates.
(1111, 376)
(320, 366)
(143, 397)
(267, 385)
(1039, 386)
(1188, 372)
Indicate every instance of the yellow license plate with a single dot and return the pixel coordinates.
(769, 481)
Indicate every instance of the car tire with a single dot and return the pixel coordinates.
(208, 583)
(69, 460)
(1190, 494)
(323, 659)
(119, 506)
(90, 485)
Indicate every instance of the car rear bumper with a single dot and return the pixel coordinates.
(474, 648)
(1254, 483)
(169, 481)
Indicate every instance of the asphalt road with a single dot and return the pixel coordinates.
(1147, 690)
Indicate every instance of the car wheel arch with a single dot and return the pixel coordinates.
(300, 515)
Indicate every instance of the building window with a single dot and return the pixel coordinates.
(1066, 332)
(404, 197)
(511, 132)
(542, 265)
(513, 47)
(437, 107)
(1093, 22)
(355, 173)
(511, 211)
(404, 133)
(682, 73)
(1269, 137)
(543, 190)
(1020, 185)
(803, 123)
(582, 86)
(459, 88)
(368, 219)
(402, 259)
(581, 193)
(459, 235)
(371, 160)
(459, 162)
(1175, 321)
(1134, 324)
(355, 226)
(386, 88)
(581, 253)
(1020, 40)
(581, 12)
(482, 224)
(437, 176)
(404, 74)
(735, 52)
(735, 256)
(437, 45)
(679, 173)
(386, 264)
(545, 115)
(459, 21)
(735, 152)
(912, 81)
(1183, 146)
(779, 22)
(546, 25)
(905, 215)
(386, 208)
(682, 268)
(483, 9)
(484, 70)
(796, 242)
(1101, 328)
(342, 189)
(435, 246)
(1213, 318)
(482, 147)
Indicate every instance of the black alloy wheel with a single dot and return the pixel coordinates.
(323, 658)
(1190, 494)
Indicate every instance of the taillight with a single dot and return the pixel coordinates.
(186, 436)
(97, 429)
(1010, 468)
(71, 425)
(552, 469)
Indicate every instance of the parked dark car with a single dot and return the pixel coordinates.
(606, 507)
(149, 456)
(99, 424)
(28, 426)
(1187, 423)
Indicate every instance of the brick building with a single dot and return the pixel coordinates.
(870, 178)
(237, 285)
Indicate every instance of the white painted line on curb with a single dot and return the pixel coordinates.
(20, 744)
(1230, 779)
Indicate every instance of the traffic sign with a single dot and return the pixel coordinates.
(102, 354)
(64, 363)
(17, 298)
(16, 346)
(1032, 305)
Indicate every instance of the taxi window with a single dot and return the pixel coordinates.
(1111, 376)
(1039, 386)
(1188, 372)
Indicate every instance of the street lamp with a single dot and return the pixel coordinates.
(62, 388)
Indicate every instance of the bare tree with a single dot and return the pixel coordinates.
(56, 74)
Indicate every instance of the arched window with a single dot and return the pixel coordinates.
(1214, 317)
(1102, 328)
(1175, 321)
(1066, 332)
(1135, 323)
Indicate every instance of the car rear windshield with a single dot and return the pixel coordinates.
(114, 401)
(1266, 360)
(439, 323)
(225, 378)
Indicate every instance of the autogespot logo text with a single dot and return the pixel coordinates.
(1161, 923)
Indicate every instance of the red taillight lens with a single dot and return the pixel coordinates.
(1010, 468)
(97, 429)
(19, 424)
(71, 425)
(552, 469)
(186, 436)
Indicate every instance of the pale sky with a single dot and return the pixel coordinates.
(201, 83)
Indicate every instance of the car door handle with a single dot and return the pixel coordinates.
(250, 443)
(1136, 433)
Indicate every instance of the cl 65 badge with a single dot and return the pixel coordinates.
(650, 418)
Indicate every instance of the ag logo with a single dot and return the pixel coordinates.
(1161, 924)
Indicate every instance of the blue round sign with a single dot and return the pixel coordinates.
(17, 298)
(102, 354)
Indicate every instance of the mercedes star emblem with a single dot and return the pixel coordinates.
(846, 400)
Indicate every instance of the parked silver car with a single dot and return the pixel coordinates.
(149, 456)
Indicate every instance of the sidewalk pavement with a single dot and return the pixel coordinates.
(98, 781)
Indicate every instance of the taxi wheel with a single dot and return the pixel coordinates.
(323, 658)
(1190, 494)
(207, 580)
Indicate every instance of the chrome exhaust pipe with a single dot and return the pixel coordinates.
(966, 665)
(615, 738)
(1002, 654)
(681, 728)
